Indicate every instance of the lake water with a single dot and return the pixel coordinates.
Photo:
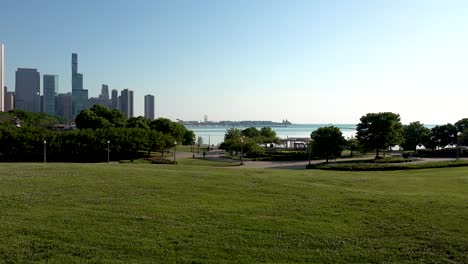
(215, 135)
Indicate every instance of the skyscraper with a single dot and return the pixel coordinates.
(79, 95)
(2, 79)
(149, 106)
(9, 100)
(126, 103)
(27, 90)
(115, 100)
(64, 105)
(130, 103)
(104, 92)
(50, 91)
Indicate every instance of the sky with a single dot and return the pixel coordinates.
(307, 61)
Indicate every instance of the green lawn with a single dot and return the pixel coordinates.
(200, 213)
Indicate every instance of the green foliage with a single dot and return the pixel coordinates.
(251, 132)
(252, 139)
(29, 119)
(138, 122)
(442, 136)
(386, 166)
(268, 135)
(352, 144)
(414, 134)
(166, 126)
(379, 131)
(99, 116)
(328, 142)
(189, 137)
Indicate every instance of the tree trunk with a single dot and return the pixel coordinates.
(376, 153)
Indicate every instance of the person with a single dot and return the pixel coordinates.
(204, 154)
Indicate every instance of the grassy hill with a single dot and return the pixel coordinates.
(199, 213)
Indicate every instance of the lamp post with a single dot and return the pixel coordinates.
(193, 149)
(108, 150)
(45, 151)
(242, 151)
(175, 144)
(458, 143)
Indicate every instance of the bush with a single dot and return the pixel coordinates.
(441, 153)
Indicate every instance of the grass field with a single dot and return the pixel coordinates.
(200, 213)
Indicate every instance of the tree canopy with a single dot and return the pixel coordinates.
(379, 131)
(414, 134)
(327, 142)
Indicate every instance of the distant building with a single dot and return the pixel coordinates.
(131, 103)
(126, 103)
(79, 95)
(64, 106)
(50, 91)
(104, 96)
(104, 92)
(9, 99)
(94, 101)
(149, 106)
(2, 78)
(115, 100)
(27, 90)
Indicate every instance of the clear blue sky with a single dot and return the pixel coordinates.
(308, 61)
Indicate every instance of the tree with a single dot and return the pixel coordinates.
(352, 144)
(99, 116)
(138, 122)
(444, 135)
(251, 132)
(88, 119)
(462, 124)
(414, 135)
(379, 131)
(268, 135)
(189, 138)
(327, 142)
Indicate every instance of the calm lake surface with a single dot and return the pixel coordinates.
(215, 134)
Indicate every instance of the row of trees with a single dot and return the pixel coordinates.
(249, 139)
(129, 139)
(381, 131)
(99, 117)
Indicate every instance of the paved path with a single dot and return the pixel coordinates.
(216, 155)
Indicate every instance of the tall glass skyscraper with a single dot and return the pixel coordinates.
(50, 91)
(126, 103)
(2, 79)
(79, 95)
(27, 90)
(115, 99)
(149, 106)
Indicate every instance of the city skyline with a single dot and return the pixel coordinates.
(307, 61)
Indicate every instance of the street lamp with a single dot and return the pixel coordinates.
(242, 151)
(193, 149)
(458, 142)
(175, 144)
(108, 150)
(45, 151)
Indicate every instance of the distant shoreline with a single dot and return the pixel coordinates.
(284, 123)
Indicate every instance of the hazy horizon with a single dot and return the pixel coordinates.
(311, 62)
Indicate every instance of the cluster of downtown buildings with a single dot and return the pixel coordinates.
(27, 94)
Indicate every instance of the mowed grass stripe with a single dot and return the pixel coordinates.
(207, 214)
